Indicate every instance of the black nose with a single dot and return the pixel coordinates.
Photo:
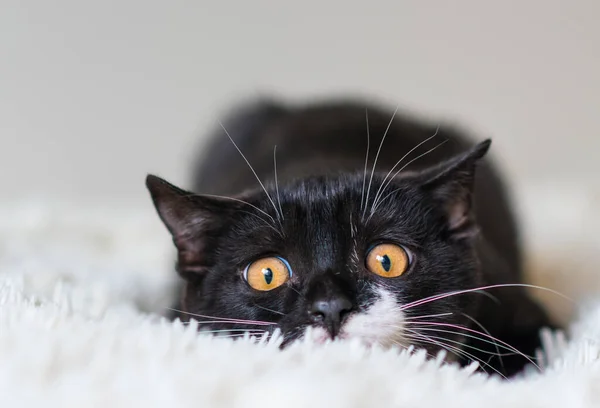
(330, 312)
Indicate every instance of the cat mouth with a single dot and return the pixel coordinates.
(382, 324)
(319, 335)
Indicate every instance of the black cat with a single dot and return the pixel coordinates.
(365, 227)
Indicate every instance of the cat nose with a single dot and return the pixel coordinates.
(330, 312)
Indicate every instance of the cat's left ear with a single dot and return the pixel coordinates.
(451, 183)
(193, 220)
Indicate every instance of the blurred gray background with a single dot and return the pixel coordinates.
(93, 95)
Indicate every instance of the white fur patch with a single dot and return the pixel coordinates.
(316, 334)
(381, 324)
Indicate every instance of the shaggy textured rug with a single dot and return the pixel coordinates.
(82, 291)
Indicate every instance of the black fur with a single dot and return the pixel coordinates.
(449, 208)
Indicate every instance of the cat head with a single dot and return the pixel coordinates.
(346, 256)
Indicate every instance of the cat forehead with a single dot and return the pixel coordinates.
(329, 207)
(354, 191)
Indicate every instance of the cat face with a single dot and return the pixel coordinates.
(331, 257)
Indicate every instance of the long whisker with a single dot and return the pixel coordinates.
(426, 316)
(295, 290)
(470, 336)
(265, 221)
(276, 183)
(362, 195)
(241, 321)
(383, 183)
(239, 201)
(231, 330)
(489, 296)
(427, 327)
(482, 327)
(209, 322)
(251, 168)
(491, 355)
(460, 292)
(239, 335)
(421, 339)
(455, 326)
(460, 352)
(269, 310)
(377, 157)
(415, 342)
(472, 347)
(375, 205)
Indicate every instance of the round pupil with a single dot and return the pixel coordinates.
(268, 274)
(385, 262)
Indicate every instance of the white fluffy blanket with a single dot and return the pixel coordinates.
(81, 290)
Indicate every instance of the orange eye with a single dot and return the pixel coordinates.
(267, 273)
(388, 260)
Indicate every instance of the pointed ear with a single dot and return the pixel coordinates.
(451, 184)
(193, 221)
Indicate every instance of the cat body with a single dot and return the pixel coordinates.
(331, 235)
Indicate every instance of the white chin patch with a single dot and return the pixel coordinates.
(316, 335)
(381, 324)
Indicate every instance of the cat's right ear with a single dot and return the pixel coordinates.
(452, 183)
(193, 220)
